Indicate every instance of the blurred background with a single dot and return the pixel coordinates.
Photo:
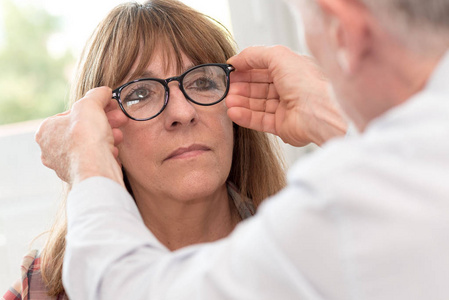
(40, 41)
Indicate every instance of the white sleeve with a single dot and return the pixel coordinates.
(110, 254)
(365, 219)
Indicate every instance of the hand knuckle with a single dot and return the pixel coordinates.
(45, 161)
(38, 137)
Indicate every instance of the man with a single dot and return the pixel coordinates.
(364, 218)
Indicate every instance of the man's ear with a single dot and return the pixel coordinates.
(350, 31)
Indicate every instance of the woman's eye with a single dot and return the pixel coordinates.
(203, 83)
(137, 96)
(141, 93)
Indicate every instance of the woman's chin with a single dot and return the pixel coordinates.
(197, 188)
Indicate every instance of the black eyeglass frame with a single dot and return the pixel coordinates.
(226, 67)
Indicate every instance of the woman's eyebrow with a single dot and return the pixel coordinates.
(189, 66)
(149, 74)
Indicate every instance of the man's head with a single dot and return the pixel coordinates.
(377, 53)
(427, 20)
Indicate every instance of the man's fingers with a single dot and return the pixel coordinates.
(254, 90)
(78, 144)
(100, 95)
(49, 122)
(115, 154)
(116, 118)
(258, 57)
(258, 75)
(259, 121)
(251, 58)
(113, 105)
(65, 113)
(254, 104)
(118, 136)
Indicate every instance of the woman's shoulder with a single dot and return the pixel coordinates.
(19, 290)
(31, 281)
(12, 293)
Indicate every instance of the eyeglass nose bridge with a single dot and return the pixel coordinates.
(175, 78)
(181, 88)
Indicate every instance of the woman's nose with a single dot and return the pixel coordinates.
(179, 110)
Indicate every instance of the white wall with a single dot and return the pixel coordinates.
(263, 22)
(29, 195)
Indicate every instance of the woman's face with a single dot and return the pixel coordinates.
(183, 154)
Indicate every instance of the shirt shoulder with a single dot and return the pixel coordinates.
(31, 281)
(12, 294)
(20, 288)
(404, 142)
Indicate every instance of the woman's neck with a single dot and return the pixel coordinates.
(182, 223)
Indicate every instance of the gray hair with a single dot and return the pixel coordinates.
(420, 24)
(434, 13)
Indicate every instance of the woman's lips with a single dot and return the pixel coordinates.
(187, 152)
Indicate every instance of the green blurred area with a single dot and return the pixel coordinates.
(33, 83)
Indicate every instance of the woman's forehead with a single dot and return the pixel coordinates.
(162, 63)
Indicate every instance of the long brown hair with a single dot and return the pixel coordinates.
(131, 32)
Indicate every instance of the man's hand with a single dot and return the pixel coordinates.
(82, 142)
(278, 91)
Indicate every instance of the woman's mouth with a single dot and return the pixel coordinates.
(188, 152)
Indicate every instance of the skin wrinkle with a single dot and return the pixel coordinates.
(260, 99)
(272, 105)
(257, 104)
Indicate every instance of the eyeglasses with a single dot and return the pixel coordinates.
(144, 99)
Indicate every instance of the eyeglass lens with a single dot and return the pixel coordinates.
(146, 98)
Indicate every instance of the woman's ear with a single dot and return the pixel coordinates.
(350, 31)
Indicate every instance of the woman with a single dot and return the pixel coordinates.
(192, 172)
